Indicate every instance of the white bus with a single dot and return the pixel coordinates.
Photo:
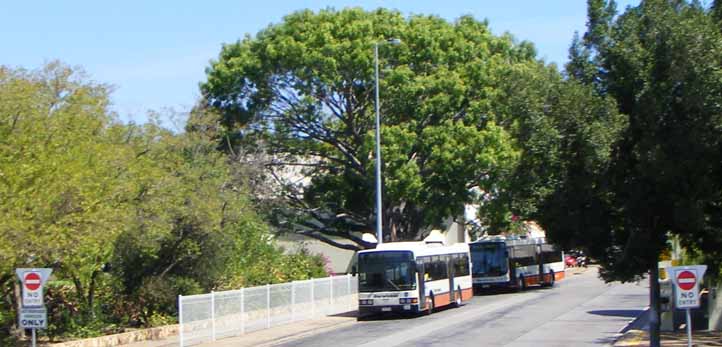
(499, 262)
(413, 277)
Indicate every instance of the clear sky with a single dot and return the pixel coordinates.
(155, 52)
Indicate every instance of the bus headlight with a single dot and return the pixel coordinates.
(404, 301)
(366, 302)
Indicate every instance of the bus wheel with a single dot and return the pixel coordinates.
(520, 284)
(457, 303)
(551, 278)
(430, 305)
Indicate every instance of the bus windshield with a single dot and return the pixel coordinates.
(489, 259)
(386, 271)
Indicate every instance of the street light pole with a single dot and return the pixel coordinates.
(379, 223)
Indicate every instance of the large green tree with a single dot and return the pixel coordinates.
(304, 89)
(62, 177)
(128, 216)
(661, 61)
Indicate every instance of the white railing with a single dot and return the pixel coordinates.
(207, 317)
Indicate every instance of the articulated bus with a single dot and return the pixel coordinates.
(413, 277)
(499, 262)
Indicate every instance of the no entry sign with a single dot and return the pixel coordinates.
(33, 281)
(686, 281)
(32, 314)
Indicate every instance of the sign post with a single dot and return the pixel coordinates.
(33, 314)
(686, 281)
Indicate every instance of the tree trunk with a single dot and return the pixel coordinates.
(654, 307)
(394, 237)
(79, 291)
(17, 295)
(91, 292)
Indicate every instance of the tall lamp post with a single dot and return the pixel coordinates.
(379, 223)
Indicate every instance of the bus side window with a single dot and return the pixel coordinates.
(443, 267)
(427, 268)
(461, 265)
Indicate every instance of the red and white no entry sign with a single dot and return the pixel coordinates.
(32, 281)
(686, 280)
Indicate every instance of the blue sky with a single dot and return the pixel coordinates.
(155, 52)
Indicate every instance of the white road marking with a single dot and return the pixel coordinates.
(429, 328)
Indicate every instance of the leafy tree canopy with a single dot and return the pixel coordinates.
(661, 62)
(305, 89)
(128, 216)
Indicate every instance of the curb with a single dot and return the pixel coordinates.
(634, 333)
(632, 338)
(296, 336)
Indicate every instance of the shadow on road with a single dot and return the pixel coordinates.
(606, 341)
(401, 316)
(386, 316)
(493, 291)
(617, 313)
(498, 291)
(349, 314)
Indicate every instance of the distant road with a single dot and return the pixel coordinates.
(580, 311)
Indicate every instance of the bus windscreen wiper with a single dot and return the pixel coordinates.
(393, 284)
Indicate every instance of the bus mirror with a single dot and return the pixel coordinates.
(353, 270)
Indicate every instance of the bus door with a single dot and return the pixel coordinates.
(420, 273)
(450, 271)
(540, 260)
(511, 259)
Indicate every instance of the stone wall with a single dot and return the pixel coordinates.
(157, 333)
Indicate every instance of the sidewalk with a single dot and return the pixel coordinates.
(265, 337)
(636, 334)
(639, 338)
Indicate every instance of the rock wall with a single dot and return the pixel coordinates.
(124, 338)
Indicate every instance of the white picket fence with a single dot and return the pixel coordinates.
(207, 317)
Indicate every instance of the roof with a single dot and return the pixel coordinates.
(511, 240)
(420, 248)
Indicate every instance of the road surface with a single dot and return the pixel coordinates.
(579, 311)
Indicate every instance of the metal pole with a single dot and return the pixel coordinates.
(180, 319)
(243, 311)
(313, 299)
(689, 329)
(213, 315)
(293, 301)
(348, 287)
(268, 306)
(330, 295)
(379, 224)
(34, 341)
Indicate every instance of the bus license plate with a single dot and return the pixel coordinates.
(386, 309)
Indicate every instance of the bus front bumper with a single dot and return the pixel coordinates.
(364, 310)
(492, 286)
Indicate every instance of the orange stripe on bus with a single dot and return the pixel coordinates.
(467, 294)
(441, 300)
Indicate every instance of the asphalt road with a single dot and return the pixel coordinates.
(579, 311)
